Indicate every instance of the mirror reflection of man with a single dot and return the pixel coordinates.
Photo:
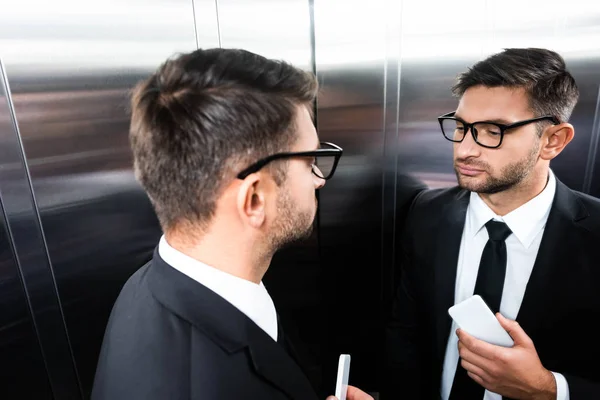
(510, 232)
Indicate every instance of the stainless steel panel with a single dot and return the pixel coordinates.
(272, 28)
(354, 66)
(592, 154)
(27, 240)
(22, 367)
(282, 30)
(593, 171)
(71, 65)
(206, 23)
(386, 69)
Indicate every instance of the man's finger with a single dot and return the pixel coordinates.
(474, 369)
(514, 330)
(484, 349)
(473, 358)
(355, 393)
(477, 379)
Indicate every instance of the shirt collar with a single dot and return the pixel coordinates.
(525, 222)
(251, 299)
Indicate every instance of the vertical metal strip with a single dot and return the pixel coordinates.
(397, 137)
(593, 149)
(391, 116)
(31, 254)
(313, 55)
(313, 65)
(384, 178)
(218, 22)
(195, 23)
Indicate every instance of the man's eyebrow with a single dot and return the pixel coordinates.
(500, 121)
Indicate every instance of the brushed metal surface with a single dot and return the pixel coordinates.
(385, 67)
(272, 28)
(206, 23)
(282, 30)
(23, 372)
(71, 65)
(351, 64)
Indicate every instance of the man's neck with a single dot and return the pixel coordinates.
(225, 255)
(509, 200)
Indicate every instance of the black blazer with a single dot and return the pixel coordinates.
(559, 310)
(171, 338)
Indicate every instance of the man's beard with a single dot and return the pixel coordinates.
(511, 175)
(292, 223)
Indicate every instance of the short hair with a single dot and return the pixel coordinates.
(542, 73)
(203, 114)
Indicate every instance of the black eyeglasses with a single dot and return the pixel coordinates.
(324, 165)
(486, 134)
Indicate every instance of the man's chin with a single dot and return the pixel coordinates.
(297, 237)
(304, 234)
(466, 182)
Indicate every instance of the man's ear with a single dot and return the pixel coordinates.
(251, 203)
(555, 139)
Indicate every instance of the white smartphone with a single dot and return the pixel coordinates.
(475, 317)
(341, 386)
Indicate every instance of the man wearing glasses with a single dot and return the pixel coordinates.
(512, 233)
(225, 147)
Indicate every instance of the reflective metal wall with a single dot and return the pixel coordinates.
(386, 68)
(23, 367)
(282, 30)
(76, 224)
(352, 67)
(70, 65)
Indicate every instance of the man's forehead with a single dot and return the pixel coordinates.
(307, 134)
(497, 103)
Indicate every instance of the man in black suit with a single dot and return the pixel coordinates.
(224, 145)
(511, 233)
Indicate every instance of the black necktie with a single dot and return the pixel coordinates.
(489, 285)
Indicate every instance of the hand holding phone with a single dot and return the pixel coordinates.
(341, 386)
(475, 317)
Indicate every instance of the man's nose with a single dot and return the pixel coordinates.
(319, 182)
(468, 147)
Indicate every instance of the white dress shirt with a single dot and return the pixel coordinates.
(527, 224)
(251, 299)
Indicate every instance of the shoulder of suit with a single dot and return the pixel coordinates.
(591, 203)
(437, 197)
(592, 209)
(431, 206)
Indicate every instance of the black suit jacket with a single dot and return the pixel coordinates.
(559, 310)
(170, 337)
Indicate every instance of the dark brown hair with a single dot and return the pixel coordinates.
(204, 114)
(542, 73)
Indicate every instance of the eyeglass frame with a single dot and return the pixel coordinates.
(503, 127)
(335, 152)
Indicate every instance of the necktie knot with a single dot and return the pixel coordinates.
(497, 231)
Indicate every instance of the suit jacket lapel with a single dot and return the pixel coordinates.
(227, 327)
(552, 259)
(286, 343)
(273, 362)
(449, 238)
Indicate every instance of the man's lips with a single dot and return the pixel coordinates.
(468, 170)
